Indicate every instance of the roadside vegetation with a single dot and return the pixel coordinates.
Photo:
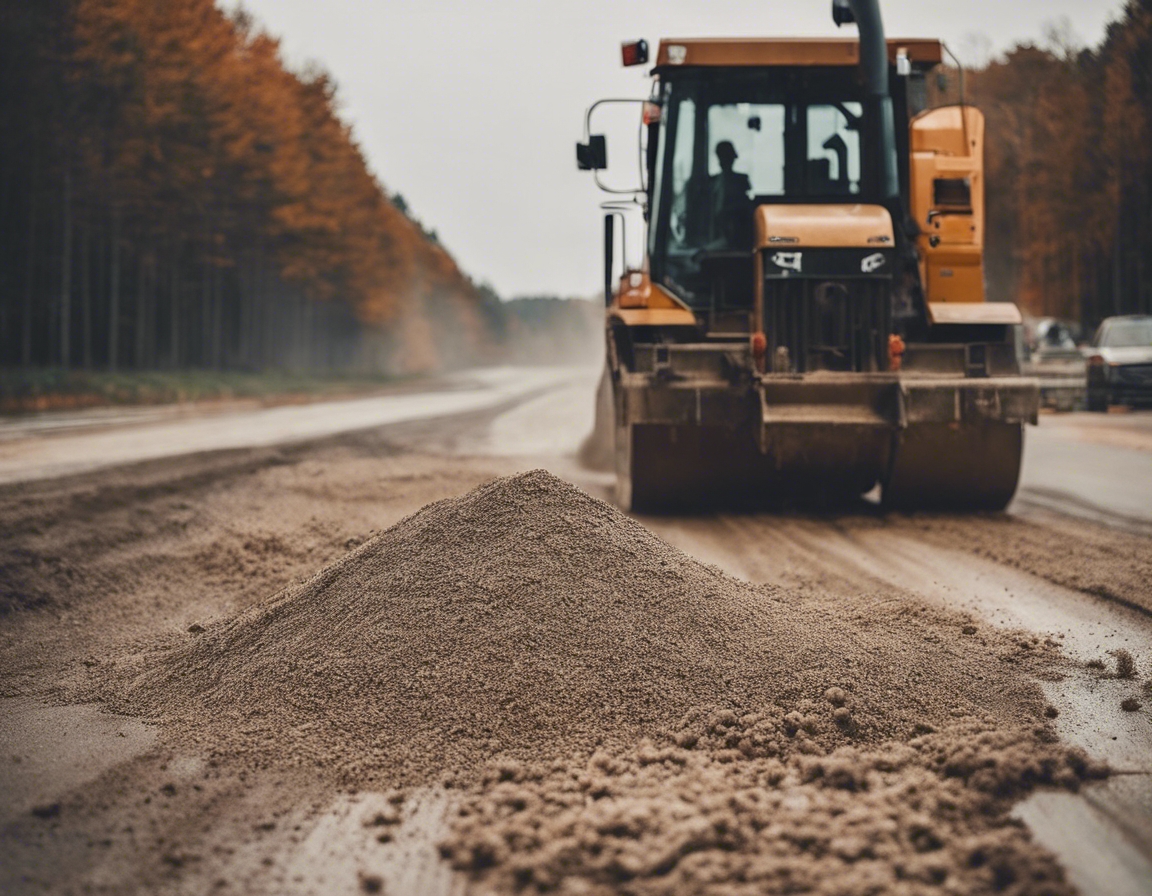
(50, 389)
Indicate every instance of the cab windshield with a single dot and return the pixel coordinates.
(730, 142)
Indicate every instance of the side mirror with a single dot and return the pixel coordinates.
(593, 155)
(842, 13)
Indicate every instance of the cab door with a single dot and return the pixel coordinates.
(947, 201)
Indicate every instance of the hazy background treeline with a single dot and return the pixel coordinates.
(550, 330)
(1069, 170)
(171, 196)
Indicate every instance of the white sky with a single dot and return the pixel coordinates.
(471, 108)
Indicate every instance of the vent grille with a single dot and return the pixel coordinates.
(827, 324)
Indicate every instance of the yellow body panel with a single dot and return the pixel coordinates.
(641, 303)
(947, 149)
(826, 226)
(654, 317)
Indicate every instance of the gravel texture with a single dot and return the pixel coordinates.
(619, 717)
(528, 619)
(586, 691)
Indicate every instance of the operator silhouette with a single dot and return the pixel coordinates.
(731, 204)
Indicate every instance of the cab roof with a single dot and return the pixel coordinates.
(761, 51)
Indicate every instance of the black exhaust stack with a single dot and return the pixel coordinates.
(879, 121)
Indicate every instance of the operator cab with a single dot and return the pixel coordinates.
(733, 140)
(748, 123)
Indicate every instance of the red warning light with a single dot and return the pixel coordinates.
(634, 52)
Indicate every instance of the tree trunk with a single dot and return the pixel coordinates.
(174, 313)
(309, 334)
(29, 284)
(217, 342)
(265, 319)
(141, 329)
(204, 356)
(66, 277)
(86, 295)
(114, 293)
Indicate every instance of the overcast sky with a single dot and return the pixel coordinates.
(471, 108)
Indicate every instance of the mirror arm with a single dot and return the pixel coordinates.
(609, 245)
(588, 132)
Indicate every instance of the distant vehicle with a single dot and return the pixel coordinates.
(1054, 339)
(1120, 362)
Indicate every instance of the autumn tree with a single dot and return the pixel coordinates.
(1069, 173)
(173, 195)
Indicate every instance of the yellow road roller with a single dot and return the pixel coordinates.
(808, 320)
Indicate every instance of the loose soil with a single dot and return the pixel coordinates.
(1105, 562)
(591, 697)
(659, 723)
(727, 815)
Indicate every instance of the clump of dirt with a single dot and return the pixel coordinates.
(529, 620)
(693, 814)
(1125, 664)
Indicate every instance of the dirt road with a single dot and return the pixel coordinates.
(101, 568)
(40, 446)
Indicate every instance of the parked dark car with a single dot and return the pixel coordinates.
(1120, 362)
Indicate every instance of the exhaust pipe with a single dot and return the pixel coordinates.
(879, 120)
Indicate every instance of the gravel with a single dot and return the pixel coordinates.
(619, 717)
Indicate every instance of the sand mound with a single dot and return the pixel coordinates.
(622, 718)
(526, 619)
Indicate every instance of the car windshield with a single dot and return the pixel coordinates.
(1127, 333)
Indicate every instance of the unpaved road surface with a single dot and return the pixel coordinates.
(125, 543)
(39, 446)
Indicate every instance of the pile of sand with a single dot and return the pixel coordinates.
(618, 713)
(530, 620)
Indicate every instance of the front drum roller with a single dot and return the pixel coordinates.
(657, 468)
(942, 466)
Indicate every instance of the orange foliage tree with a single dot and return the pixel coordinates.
(1069, 156)
(173, 195)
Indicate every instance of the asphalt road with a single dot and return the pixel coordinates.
(40, 446)
(1093, 471)
(1097, 466)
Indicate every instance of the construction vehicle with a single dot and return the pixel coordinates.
(809, 318)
